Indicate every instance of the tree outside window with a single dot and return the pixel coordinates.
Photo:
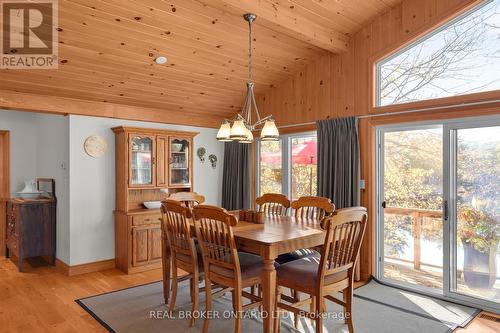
(461, 58)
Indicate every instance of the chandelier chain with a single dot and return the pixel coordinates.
(250, 77)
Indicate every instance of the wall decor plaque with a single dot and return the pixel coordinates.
(95, 146)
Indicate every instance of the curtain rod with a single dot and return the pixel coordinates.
(406, 111)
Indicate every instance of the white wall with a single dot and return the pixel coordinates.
(51, 146)
(52, 162)
(23, 146)
(39, 148)
(92, 183)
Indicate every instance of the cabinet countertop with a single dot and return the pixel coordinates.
(30, 201)
(140, 211)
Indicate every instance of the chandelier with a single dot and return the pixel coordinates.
(241, 130)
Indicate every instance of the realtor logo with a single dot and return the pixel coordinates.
(29, 34)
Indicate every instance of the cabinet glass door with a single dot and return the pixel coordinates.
(141, 161)
(180, 173)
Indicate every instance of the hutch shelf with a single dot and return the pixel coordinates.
(150, 165)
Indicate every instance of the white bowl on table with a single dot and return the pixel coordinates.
(152, 204)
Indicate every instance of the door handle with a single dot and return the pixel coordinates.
(384, 204)
(445, 210)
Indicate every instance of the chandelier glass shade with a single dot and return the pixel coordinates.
(224, 131)
(238, 130)
(243, 125)
(269, 131)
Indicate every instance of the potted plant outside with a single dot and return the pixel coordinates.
(479, 234)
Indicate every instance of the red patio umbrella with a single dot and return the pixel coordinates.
(305, 153)
(302, 153)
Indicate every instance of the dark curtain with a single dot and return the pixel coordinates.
(236, 176)
(338, 161)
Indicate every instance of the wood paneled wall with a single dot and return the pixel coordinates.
(341, 85)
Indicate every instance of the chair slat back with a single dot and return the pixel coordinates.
(175, 226)
(273, 204)
(345, 232)
(312, 207)
(189, 199)
(215, 235)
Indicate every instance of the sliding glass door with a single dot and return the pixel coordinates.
(439, 209)
(411, 197)
(473, 194)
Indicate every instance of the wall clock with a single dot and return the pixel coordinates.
(95, 146)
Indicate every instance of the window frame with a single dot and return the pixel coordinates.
(286, 161)
(489, 96)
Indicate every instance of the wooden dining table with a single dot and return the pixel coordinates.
(273, 236)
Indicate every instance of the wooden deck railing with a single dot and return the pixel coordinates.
(417, 216)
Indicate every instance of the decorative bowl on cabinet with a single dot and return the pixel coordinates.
(152, 204)
(176, 147)
(30, 190)
(29, 195)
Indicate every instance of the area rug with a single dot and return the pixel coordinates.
(377, 309)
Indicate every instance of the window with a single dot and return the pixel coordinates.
(460, 58)
(304, 171)
(288, 166)
(270, 171)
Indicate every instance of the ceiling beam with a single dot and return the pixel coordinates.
(12, 100)
(278, 16)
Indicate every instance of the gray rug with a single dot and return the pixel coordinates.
(377, 309)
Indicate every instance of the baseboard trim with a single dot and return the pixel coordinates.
(90, 267)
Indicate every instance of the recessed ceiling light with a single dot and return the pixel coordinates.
(161, 60)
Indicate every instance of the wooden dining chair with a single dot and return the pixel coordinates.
(184, 254)
(273, 204)
(312, 207)
(223, 264)
(189, 199)
(307, 208)
(332, 271)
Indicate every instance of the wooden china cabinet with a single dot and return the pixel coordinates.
(150, 165)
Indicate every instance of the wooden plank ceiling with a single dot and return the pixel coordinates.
(107, 49)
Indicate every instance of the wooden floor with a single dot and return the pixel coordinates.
(42, 299)
(481, 325)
